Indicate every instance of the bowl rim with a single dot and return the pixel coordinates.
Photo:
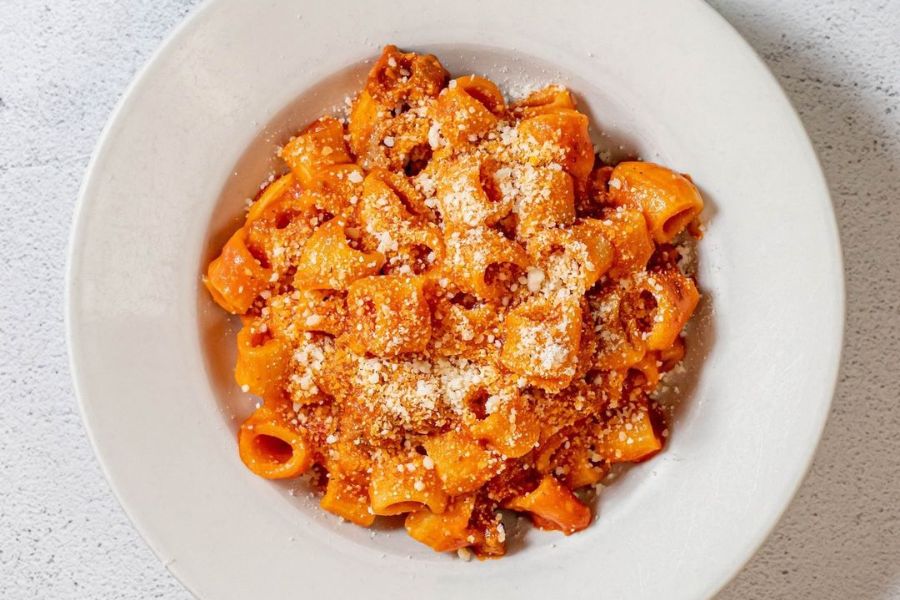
(89, 181)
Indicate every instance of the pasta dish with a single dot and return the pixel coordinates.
(452, 308)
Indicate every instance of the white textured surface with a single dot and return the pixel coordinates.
(63, 65)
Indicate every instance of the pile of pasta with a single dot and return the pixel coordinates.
(452, 307)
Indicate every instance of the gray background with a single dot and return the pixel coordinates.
(63, 65)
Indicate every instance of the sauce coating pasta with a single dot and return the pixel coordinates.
(451, 307)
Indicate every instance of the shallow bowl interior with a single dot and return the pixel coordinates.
(618, 133)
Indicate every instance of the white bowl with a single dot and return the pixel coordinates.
(195, 135)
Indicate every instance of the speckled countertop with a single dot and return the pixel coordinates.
(64, 63)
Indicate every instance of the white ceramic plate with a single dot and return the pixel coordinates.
(193, 137)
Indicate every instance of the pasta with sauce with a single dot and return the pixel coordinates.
(451, 307)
